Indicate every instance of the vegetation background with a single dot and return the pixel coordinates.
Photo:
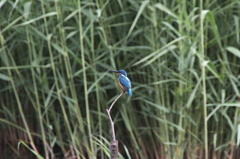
(181, 56)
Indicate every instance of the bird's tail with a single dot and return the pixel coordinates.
(130, 91)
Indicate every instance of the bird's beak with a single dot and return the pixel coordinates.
(114, 71)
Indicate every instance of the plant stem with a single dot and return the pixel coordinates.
(111, 122)
(114, 142)
(204, 83)
(85, 79)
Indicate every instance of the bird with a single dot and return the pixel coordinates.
(124, 82)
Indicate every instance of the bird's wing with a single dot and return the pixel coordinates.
(125, 82)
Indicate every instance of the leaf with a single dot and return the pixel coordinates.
(2, 3)
(163, 52)
(160, 107)
(204, 13)
(11, 24)
(169, 80)
(97, 81)
(166, 10)
(126, 150)
(59, 49)
(38, 18)
(193, 94)
(27, 8)
(34, 152)
(233, 50)
(5, 77)
(158, 51)
(213, 69)
(144, 4)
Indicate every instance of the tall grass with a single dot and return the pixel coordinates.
(181, 56)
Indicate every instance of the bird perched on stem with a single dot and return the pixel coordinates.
(124, 81)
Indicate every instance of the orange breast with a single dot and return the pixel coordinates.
(120, 85)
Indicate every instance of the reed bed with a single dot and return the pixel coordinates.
(181, 56)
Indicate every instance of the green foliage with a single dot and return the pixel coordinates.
(181, 59)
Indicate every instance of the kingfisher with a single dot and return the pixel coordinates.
(124, 82)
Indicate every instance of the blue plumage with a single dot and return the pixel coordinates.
(124, 81)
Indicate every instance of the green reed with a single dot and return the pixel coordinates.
(182, 58)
